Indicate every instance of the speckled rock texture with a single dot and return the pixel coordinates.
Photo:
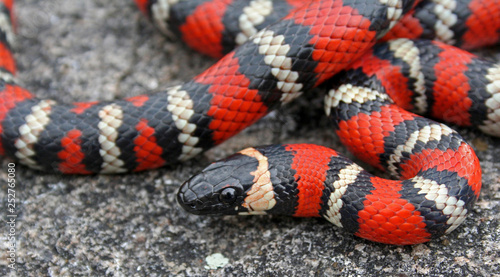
(131, 225)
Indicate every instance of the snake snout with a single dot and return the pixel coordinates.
(193, 194)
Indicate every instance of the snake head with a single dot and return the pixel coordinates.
(220, 188)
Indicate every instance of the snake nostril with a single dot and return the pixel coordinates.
(189, 200)
(198, 205)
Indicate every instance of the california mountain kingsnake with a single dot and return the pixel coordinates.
(440, 173)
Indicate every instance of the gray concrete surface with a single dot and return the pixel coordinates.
(130, 225)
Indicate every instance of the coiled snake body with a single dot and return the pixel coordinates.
(440, 173)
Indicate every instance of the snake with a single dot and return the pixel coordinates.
(284, 49)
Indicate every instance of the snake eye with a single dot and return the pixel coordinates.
(227, 196)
